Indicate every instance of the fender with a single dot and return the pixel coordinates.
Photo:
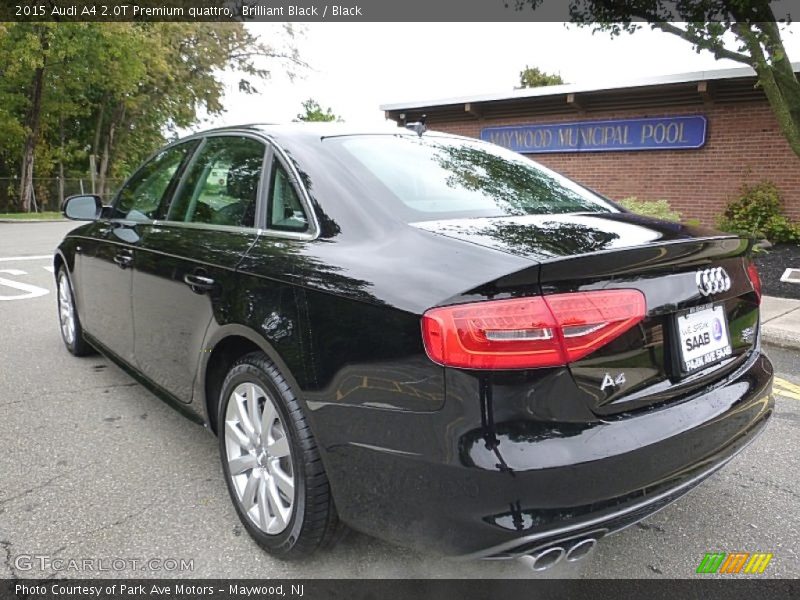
(218, 333)
(68, 260)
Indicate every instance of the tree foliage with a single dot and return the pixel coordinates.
(658, 209)
(531, 77)
(747, 31)
(758, 212)
(115, 90)
(314, 112)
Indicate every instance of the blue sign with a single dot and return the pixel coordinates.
(662, 133)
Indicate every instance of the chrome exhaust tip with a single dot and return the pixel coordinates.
(545, 559)
(542, 560)
(581, 550)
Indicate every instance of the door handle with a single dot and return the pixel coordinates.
(123, 259)
(198, 283)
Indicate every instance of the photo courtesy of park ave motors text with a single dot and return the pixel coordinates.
(309, 299)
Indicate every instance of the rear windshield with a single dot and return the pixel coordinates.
(434, 177)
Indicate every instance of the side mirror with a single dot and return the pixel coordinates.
(83, 207)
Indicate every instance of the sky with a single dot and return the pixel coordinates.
(356, 67)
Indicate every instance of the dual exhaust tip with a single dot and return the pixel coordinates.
(550, 556)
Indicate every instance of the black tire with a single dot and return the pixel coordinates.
(77, 346)
(314, 523)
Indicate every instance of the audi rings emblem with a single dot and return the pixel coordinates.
(713, 281)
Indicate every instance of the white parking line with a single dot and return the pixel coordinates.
(49, 268)
(28, 291)
(31, 291)
(16, 258)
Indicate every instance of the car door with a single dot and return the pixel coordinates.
(275, 269)
(185, 267)
(107, 252)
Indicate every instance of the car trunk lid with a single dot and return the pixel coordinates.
(702, 311)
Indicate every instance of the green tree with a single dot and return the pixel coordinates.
(18, 61)
(26, 53)
(116, 90)
(180, 80)
(746, 31)
(531, 77)
(314, 112)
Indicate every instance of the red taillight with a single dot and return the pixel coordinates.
(525, 333)
(752, 273)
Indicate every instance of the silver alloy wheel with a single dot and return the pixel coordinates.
(66, 311)
(259, 458)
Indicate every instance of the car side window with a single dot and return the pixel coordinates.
(221, 186)
(285, 211)
(141, 197)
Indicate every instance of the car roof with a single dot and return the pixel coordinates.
(320, 130)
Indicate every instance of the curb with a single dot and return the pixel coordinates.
(775, 336)
(780, 321)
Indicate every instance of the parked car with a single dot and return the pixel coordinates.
(424, 337)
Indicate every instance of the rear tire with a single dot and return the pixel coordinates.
(68, 320)
(271, 462)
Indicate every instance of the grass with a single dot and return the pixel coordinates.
(32, 215)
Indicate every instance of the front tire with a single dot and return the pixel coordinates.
(271, 463)
(68, 320)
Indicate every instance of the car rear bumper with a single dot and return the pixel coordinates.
(509, 485)
(602, 523)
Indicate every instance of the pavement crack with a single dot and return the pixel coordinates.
(30, 490)
(126, 518)
(4, 501)
(9, 564)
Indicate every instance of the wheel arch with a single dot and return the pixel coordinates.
(60, 260)
(224, 347)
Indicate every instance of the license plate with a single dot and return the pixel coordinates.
(703, 335)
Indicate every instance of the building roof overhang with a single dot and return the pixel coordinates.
(700, 87)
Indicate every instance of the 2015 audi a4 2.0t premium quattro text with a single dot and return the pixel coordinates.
(426, 338)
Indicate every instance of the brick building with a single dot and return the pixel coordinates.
(692, 139)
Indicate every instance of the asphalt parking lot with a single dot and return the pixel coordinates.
(95, 467)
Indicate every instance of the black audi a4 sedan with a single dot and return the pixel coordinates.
(426, 338)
